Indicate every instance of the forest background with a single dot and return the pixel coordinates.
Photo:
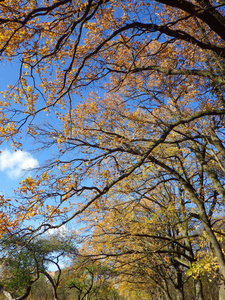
(123, 103)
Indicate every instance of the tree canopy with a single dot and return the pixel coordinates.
(127, 99)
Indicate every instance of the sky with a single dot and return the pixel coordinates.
(14, 166)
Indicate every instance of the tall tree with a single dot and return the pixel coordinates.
(153, 230)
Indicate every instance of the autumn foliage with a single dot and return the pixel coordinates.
(128, 99)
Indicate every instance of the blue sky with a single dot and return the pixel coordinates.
(14, 166)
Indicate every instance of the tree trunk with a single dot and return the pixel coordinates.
(179, 289)
(180, 294)
(222, 290)
(198, 289)
(7, 295)
(215, 246)
(167, 296)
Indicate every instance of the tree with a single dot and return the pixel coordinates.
(24, 262)
(152, 75)
(41, 289)
(152, 230)
(90, 279)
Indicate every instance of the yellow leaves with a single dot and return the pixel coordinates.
(9, 130)
(92, 26)
(8, 221)
(31, 130)
(32, 214)
(29, 185)
(206, 264)
(60, 139)
(45, 176)
(106, 174)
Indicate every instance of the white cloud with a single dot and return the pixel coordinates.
(15, 163)
(55, 231)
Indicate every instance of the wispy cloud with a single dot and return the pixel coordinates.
(15, 163)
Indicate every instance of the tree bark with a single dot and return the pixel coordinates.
(180, 294)
(179, 288)
(7, 295)
(198, 289)
(222, 290)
